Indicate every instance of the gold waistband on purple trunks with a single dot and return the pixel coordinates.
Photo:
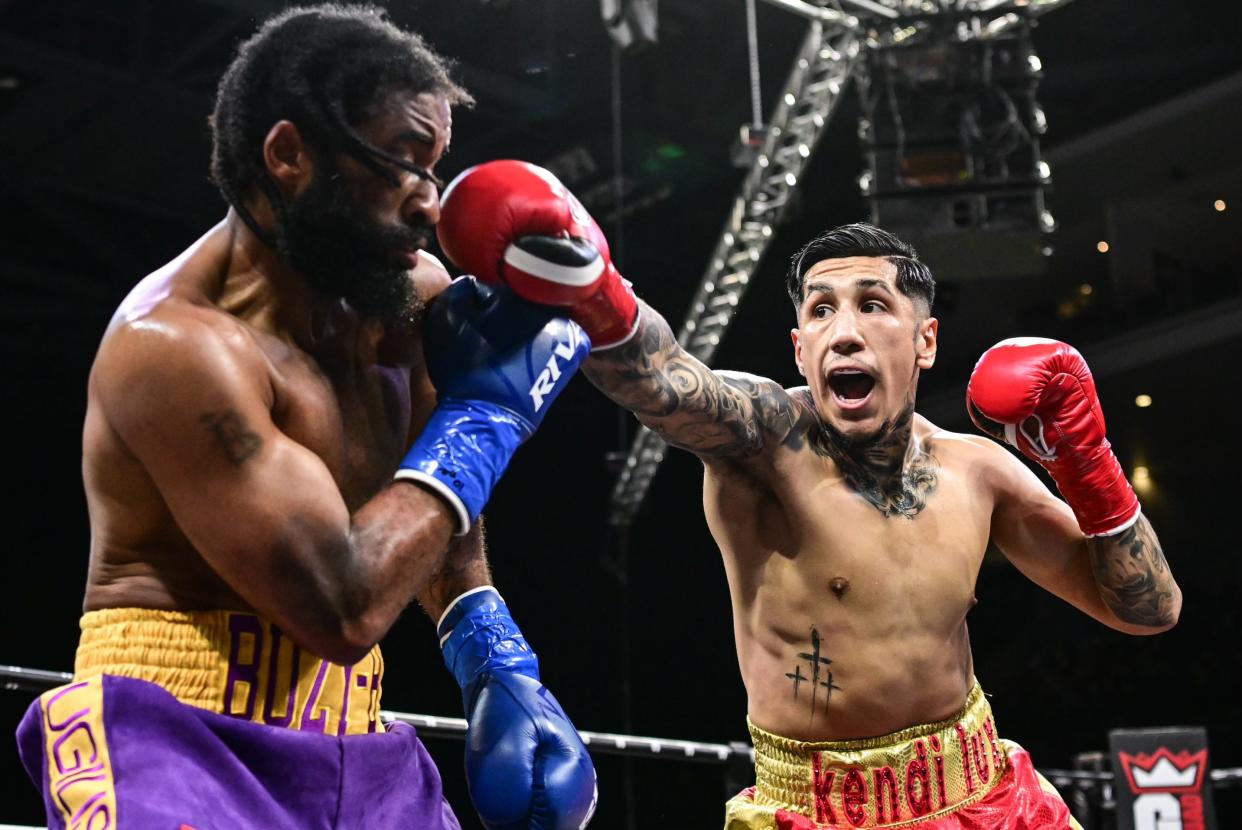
(911, 775)
(233, 663)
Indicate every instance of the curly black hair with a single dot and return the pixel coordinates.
(326, 68)
(914, 278)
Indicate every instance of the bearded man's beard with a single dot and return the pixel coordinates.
(330, 239)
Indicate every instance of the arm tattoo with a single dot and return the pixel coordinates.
(712, 414)
(820, 674)
(727, 415)
(233, 436)
(1133, 576)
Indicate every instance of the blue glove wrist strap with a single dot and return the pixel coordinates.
(478, 636)
(462, 452)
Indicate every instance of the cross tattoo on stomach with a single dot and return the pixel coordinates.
(818, 665)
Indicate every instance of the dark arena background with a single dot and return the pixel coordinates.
(1069, 170)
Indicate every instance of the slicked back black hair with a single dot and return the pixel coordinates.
(914, 278)
(327, 69)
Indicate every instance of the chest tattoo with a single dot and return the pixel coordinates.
(904, 493)
(894, 470)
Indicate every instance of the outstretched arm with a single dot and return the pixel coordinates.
(716, 415)
(511, 223)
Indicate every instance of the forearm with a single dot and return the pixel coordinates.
(393, 549)
(642, 374)
(717, 415)
(410, 556)
(1133, 577)
(462, 568)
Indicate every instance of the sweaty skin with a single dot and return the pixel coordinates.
(242, 429)
(853, 533)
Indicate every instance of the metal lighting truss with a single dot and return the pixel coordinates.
(826, 60)
(809, 98)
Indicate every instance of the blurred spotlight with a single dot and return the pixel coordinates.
(1085, 289)
(1142, 401)
(1220, 205)
(632, 24)
(1140, 477)
(1102, 246)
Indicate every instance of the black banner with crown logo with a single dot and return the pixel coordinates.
(1162, 779)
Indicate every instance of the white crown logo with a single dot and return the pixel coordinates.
(1164, 775)
(1164, 770)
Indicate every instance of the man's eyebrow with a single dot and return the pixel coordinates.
(418, 137)
(874, 283)
(861, 284)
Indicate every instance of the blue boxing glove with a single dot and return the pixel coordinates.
(497, 363)
(526, 766)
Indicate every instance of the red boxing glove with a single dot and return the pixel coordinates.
(514, 223)
(1038, 396)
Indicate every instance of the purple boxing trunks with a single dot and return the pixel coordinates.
(108, 751)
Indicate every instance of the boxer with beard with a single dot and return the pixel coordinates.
(292, 429)
(852, 529)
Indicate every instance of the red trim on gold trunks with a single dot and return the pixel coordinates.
(854, 796)
(917, 773)
(885, 779)
(821, 783)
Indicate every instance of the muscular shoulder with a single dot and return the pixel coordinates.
(785, 417)
(984, 460)
(174, 350)
(780, 422)
(802, 396)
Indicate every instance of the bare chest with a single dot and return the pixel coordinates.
(350, 403)
(849, 619)
(815, 546)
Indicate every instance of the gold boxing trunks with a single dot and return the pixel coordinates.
(929, 775)
(235, 664)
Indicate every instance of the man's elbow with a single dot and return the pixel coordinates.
(347, 653)
(1154, 620)
(344, 628)
(335, 613)
(1173, 613)
(344, 643)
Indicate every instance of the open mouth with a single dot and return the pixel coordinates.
(850, 387)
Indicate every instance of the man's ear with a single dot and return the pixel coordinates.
(287, 158)
(925, 343)
(793, 335)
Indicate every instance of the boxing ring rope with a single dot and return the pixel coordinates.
(18, 678)
(1087, 791)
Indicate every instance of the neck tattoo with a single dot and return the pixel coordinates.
(895, 471)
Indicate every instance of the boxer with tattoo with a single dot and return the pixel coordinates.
(852, 528)
(291, 431)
